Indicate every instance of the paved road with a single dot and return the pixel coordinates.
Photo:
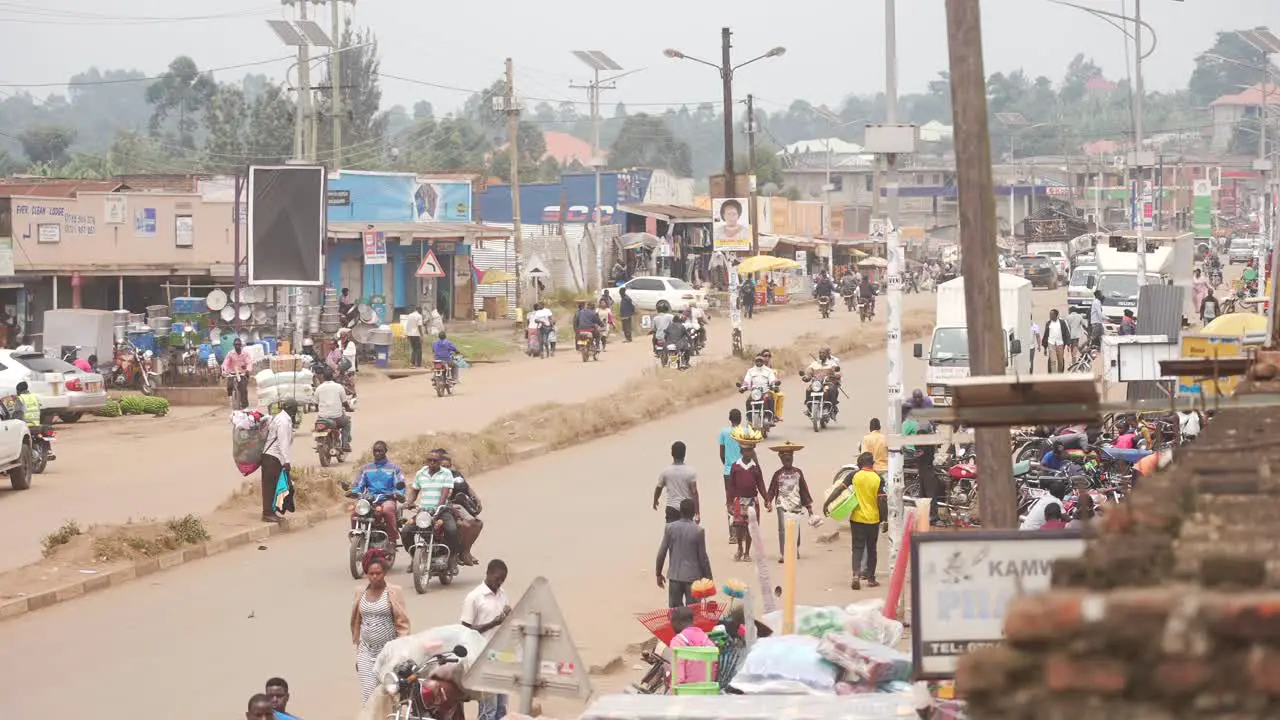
(111, 472)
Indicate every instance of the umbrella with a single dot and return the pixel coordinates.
(631, 241)
(873, 262)
(765, 263)
(1236, 324)
(494, 276)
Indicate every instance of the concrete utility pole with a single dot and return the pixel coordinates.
(512, 109)
(751, 174)
(978, 261)
(1140, 161)
(1266, 43)
(335, 79)
(726, 82)
(303, 111)
(597, 61)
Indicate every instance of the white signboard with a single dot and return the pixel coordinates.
(961, 584)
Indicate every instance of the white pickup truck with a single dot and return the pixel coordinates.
(15, 444)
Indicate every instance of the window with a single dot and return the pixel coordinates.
(184, 231)
(867, 179)
(40, 363)
(679, 284)
(644, 284)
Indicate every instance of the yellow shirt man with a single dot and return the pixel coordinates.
(866, 484)
(874, 442)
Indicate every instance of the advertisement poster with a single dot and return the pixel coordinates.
(49, 233)
(730, 229)
(375, 248)
(1202, 205)
(144, 222)
(1201, 347)
(184, 231)
(115, 209)
(440, 201)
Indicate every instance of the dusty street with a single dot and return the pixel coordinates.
(109, 472)
(581, 517)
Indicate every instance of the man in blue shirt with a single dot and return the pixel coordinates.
(278, 691)
(1055, 458)
(586, 319)
(730, 452)
(443, 350)
(381, 478)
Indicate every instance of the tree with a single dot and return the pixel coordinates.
(422, 109)
(1079, 72)
(227, 122)
(183, 90)
(271, 119)
(1224, 68)
(136, 154)
(47, 145)
(364, 125)
(646, 141)
(531, 146)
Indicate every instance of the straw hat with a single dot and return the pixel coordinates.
(786, 447)
(746, 436)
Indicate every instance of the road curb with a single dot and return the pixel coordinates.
(113, 578)
(257, 534)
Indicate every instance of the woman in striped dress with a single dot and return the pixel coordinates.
(377, 617)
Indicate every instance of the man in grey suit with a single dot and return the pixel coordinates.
(686, 542)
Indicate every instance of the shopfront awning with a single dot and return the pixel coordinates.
(668, 213)
(418, 231)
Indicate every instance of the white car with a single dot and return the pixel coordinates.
(49, 387)
(15, 445)
(654, 292)
(1240, 251)
(86, 391)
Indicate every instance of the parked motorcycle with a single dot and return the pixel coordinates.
(588, 345)
(442, 377)
(431, 554)
(418, 696)
(865, 310)
(329, 445)
(820, 410)
(41, 449)
(368, 530)
(759, 415)
(824, 306)
(133, 369)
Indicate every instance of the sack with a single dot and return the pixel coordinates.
(789, 659)
(844, 504)
(247, 444)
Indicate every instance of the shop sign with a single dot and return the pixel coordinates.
(71, 223)
(375, 248)
(445, 247)
(339, 198)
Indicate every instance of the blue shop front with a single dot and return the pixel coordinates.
(399, 240)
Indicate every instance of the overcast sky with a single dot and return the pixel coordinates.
(833, 48)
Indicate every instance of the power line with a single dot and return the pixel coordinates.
(51, 16)
(149, 78)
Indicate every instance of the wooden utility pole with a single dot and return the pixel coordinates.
(978, 259)
(513, 131)
(751, 171)
(726, 86)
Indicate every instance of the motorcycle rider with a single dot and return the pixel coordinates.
(443, 350)
(466, 506)
(586, 319)
(867, 293)
(333, 401)
(823, 287)
(779, 397)
(380, 478)
(431, 488)
(760, 376)
(829, 366)
(309, 350)
(695, 325)
(237, 363)
(848, 284)
(30, 405)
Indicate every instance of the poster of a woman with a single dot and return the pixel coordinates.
(729, 232)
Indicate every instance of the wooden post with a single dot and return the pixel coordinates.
(790, 544)
(978, 256)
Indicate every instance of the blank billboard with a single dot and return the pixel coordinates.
(287, 207)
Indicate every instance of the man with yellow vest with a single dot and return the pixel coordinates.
(30, 405)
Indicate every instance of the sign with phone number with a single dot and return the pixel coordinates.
(72, 224)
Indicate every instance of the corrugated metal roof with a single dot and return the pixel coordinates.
(419, 230)
(678, 213)
(56, 188)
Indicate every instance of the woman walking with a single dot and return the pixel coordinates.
(377, 617)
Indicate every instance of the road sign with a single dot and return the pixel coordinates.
(559, 669)
(536, 268)
(430, 267)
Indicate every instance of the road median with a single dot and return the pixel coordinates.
(78, 566)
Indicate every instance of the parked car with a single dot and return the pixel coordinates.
(652, 292)
(1240, 251)
(49, 387)
(1080, 288)
(15, 445)
(1039, 271)
(87, 391)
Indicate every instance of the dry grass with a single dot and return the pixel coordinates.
(313, 488)
(131, 541)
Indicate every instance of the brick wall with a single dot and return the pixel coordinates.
(1174, 610)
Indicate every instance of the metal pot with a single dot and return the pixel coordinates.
(161, 325)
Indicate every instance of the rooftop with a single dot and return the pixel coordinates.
(566, 148)
(55, 187)
(1251, 97)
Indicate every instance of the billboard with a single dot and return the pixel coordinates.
(286, 219)
(373, 197)
(730, 230)
(441, 201)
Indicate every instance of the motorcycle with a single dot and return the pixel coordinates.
(848, 296)
(418, 696)
(588, 345)
(817, 407)
(368, 529)
(759, 416)
(442, 377)
(133, 369)
(697, 339)
(865, 310)
(431, 556)
(664, 352)
(42, 449)
(329, 445)
(824, 306)
(238, 381)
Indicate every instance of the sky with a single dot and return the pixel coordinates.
(442, 51)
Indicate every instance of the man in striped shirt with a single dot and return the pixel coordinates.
(431, 489)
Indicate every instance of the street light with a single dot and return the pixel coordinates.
(726, 68)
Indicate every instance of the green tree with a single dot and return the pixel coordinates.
(136, 154)
(445, 145)
(183, 90)
(47, 144)
(1224, 68)
(364, 125)
(646, 141)
(532, 147)
(227, 122)
(1079, 72)
(423, 109)
(271, 120)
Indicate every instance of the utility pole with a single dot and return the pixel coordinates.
(978, 261)
(1140, 161)
(597, 61)
(726, 80)
(513, 131)
(303, 111)
(335, 79)
(751, 174)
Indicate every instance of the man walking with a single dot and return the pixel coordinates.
(1078, 328)
(864, 523)
(730, 451)
(1096, 320)
(1056, 338)
(626, 311)
(483, 610)
(680, 482)
(874, 442)
(278, 691)
(275, 458)
(686, 543)
(413, 327)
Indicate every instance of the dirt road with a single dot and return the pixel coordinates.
(158, 468)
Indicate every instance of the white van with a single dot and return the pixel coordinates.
(1080, 288)
(1240, 251)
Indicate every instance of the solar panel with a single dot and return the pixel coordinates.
(287, 33)
(596, 60)
(314, 34)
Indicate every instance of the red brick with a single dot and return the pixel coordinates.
(1091, 674)
(1245, 616)
(1182, 676)
(1043, 618)
(1264, 670)
(994, 670)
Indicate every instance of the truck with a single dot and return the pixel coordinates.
(1118, 278)
(948, 356)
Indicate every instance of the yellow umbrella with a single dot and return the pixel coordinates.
(765, 263)
(495, 276)
(1236, 324)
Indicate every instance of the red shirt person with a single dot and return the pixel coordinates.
(746, 492)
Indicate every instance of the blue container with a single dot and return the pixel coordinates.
(269, 346)
(226, 343)
(381, 356)
(144, 341)
(189, 306)
(204, 351)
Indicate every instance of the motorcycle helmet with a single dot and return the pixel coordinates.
(308, 342)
